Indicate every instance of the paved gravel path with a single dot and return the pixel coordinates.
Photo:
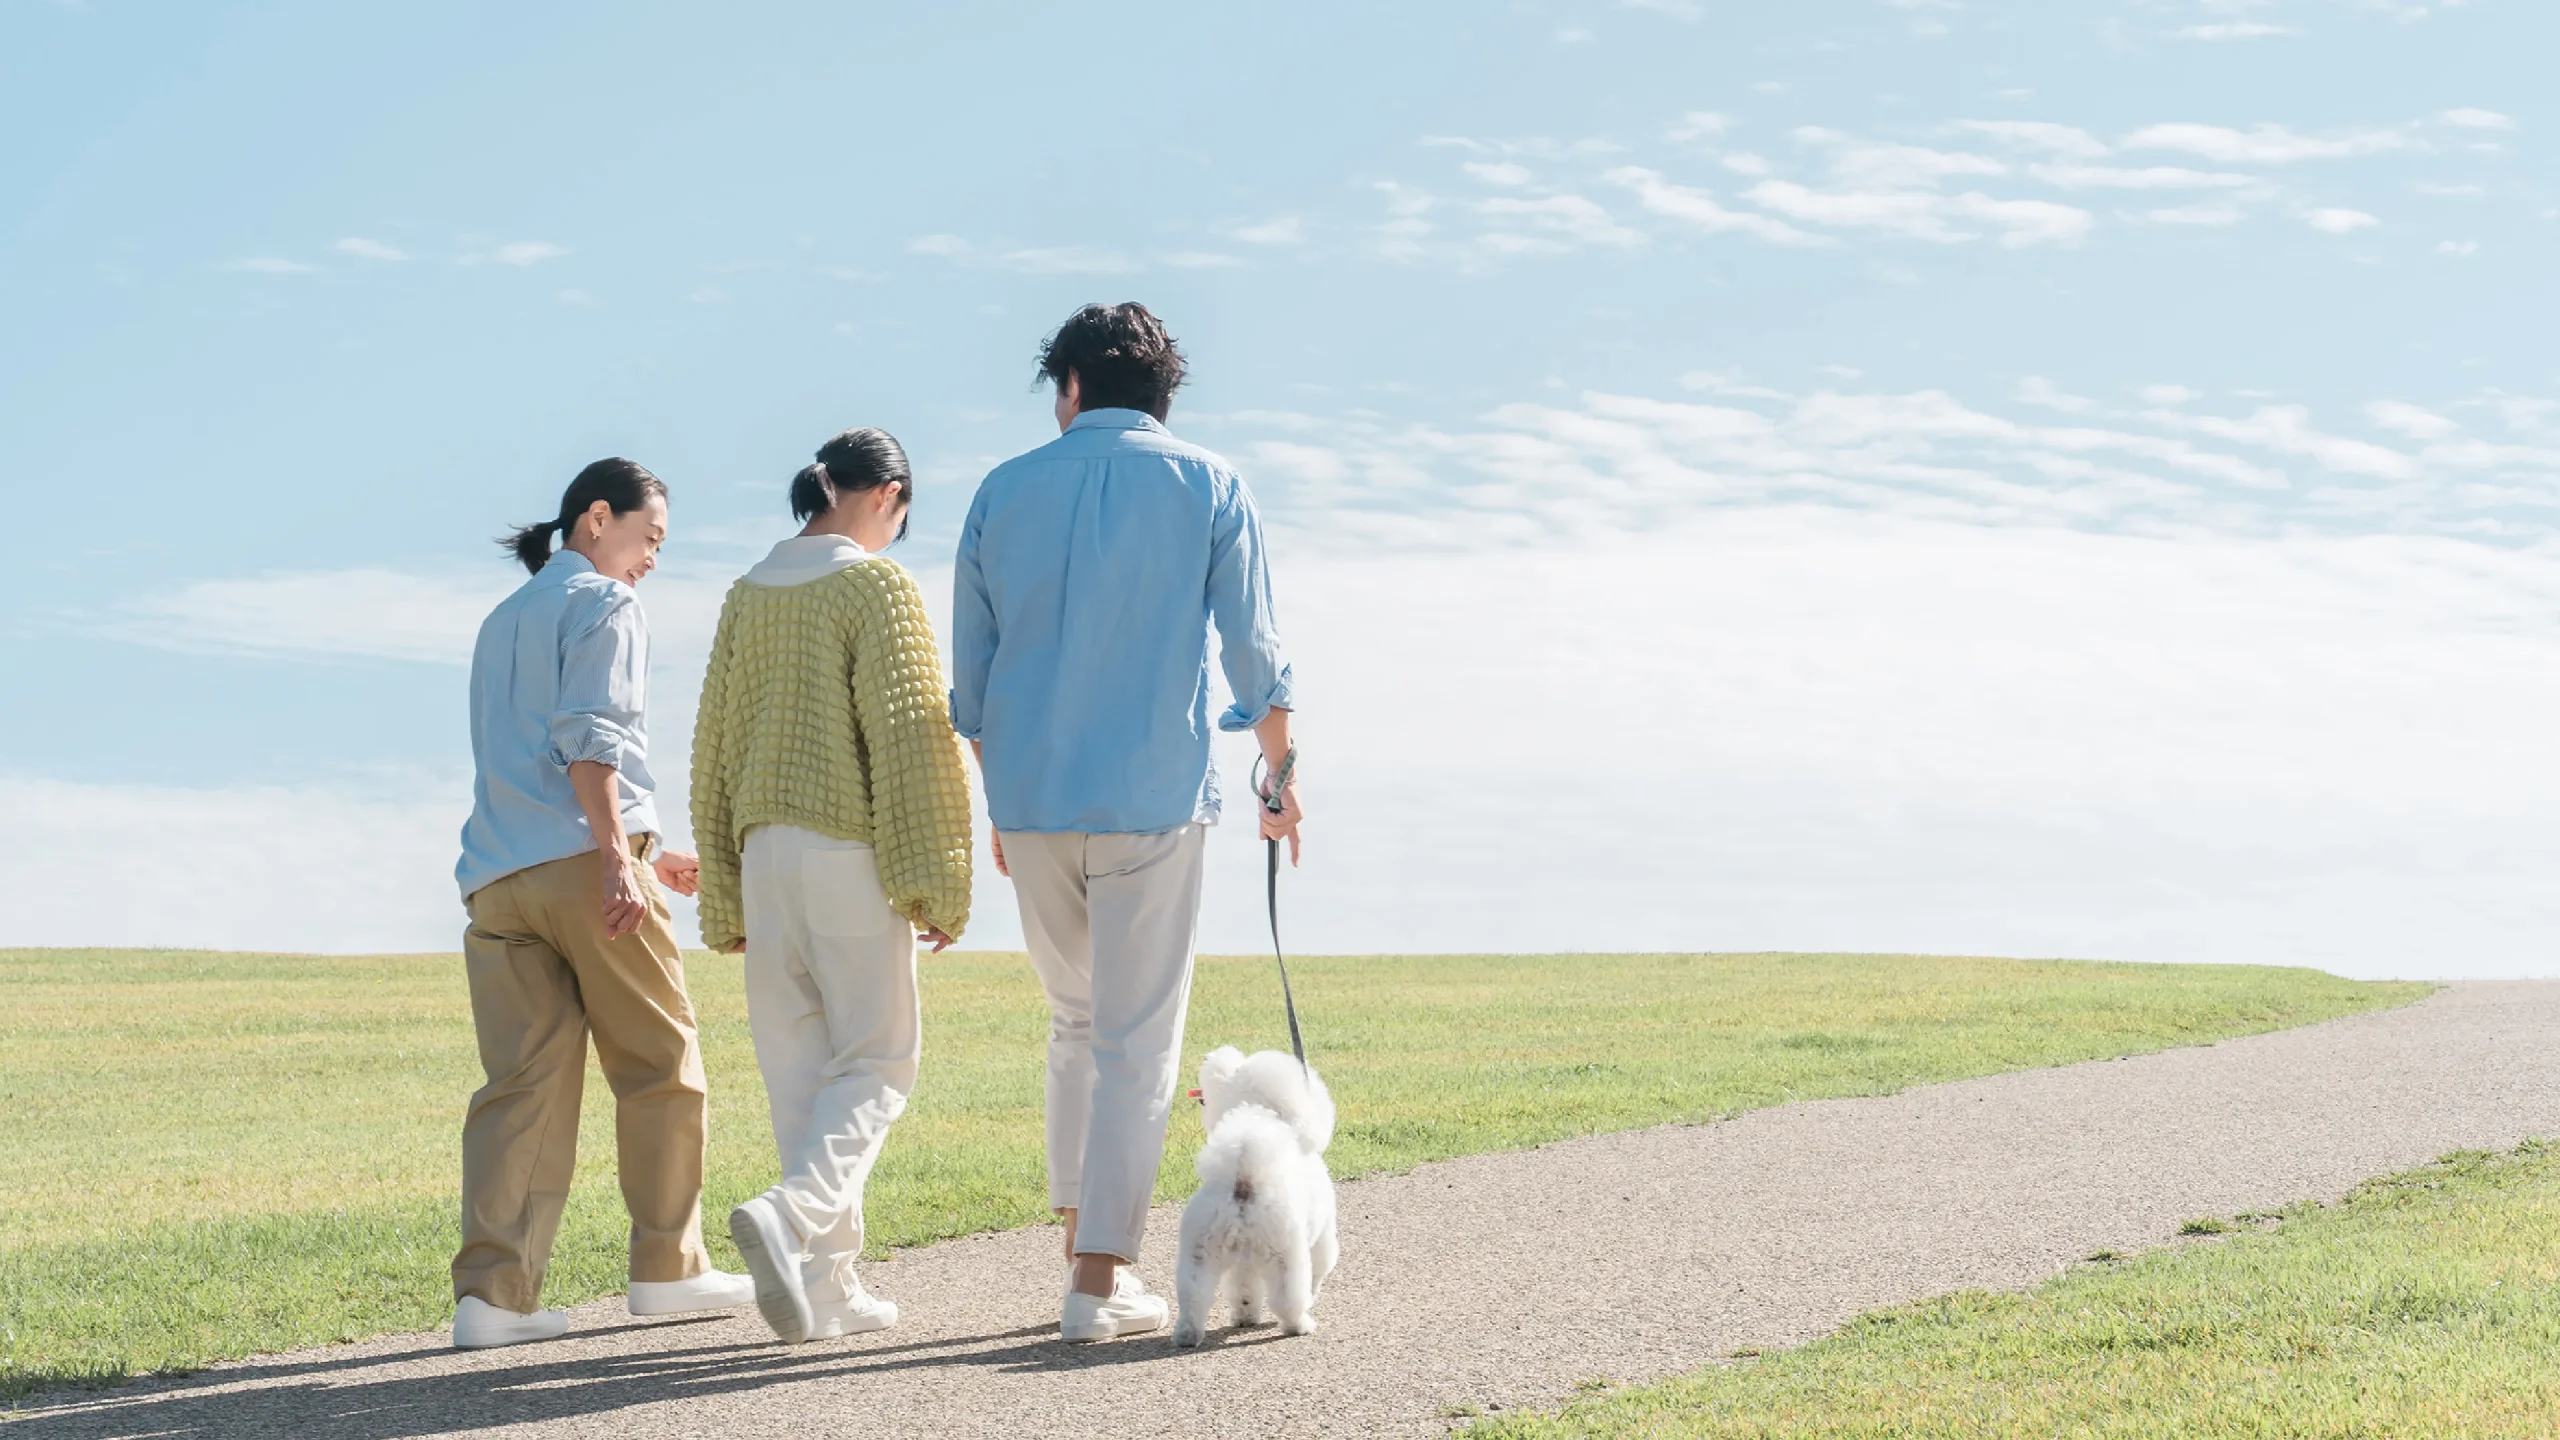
(1499, 1280)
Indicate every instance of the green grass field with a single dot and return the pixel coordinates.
(2425, 1306)
(211, 1155)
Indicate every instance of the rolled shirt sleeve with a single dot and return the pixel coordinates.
(1240, 606)
(603, 689)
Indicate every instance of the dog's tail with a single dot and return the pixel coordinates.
(1247, 1157)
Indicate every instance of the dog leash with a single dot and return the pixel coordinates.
(1270, 789)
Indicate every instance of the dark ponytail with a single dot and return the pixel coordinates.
(853, 462)
(620, 483)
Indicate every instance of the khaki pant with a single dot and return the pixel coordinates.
(542, 974)
(1109, 920)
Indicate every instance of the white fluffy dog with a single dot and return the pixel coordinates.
(1263, 1215)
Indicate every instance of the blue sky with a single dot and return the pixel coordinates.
(1939, 476)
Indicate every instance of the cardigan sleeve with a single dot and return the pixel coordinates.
(715, 828)
(920, 810)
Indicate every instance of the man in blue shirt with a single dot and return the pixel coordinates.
(1090, 572)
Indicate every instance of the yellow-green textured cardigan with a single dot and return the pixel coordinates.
(825, 708)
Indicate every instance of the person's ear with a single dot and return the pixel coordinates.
(600, 512)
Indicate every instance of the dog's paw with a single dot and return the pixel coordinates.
(1188, 1332)
(1297, 1324)
(1248, 1313)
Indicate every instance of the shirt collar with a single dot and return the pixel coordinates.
(568, 562)
(1115, 419)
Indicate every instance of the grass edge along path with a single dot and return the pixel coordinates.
(2423, 1306)
(299, 1113)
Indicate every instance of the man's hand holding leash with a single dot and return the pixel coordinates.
(1278, 790)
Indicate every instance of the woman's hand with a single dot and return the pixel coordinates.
(941, 942)
(678, 871)
(625, 904)
(734, 947)
(996, 841)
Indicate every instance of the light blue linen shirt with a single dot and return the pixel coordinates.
(1089, 573)
(559, 675)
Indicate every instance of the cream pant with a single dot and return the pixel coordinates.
(1110, 921)
(831, 1001)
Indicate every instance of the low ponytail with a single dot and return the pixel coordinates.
(624, 485)
(532, 543)
(813, 493)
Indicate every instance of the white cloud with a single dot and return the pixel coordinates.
(2169, 394)
(1918, 214)
(1066, 260)
(2264, 145)
(576, 297)
(364, 249)
(2233, 30)
(1498, 172)
(350, 868)
(1203, 260)
(2146, 177)
(1959, 738)
(707, 295)
(2195, 215)
(1699, 208)
(2037, 390)
(1555, 222)
(527, 252)
(376, 614)
(1689, 10)
(2411, 420)
(271, 265)
(1743, 162)
(2458, 247)
(2287, 430)
(1700, 125)
(2478, 119)
(1886, 165)
(1926, 215)
(2026, 222)
(1279, 230)
(2334, 220)
(2068, 141)
(1050, 260)
(1971, 740)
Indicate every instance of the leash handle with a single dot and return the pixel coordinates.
(1270, 787)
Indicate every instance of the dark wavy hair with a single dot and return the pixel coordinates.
(852, 462)
(1121, 356)
(622, 484)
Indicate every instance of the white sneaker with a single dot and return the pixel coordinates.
(856, 1314)
(771, 1249)
(710, 1290)
(1127, 1310)
(479, 1325)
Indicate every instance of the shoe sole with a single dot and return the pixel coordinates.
(784, 1306)
(860, 1325)
(681, 1307)
(496, 1343)
(1111, 1331)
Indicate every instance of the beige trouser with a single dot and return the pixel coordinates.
(542, 973)
(831, 1000)
(1109, 920)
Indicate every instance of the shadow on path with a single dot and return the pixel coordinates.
(524, 1387)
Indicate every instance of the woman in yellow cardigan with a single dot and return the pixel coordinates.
(832, 812)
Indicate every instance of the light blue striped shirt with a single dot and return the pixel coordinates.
(1090, 571)
(559, 675)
